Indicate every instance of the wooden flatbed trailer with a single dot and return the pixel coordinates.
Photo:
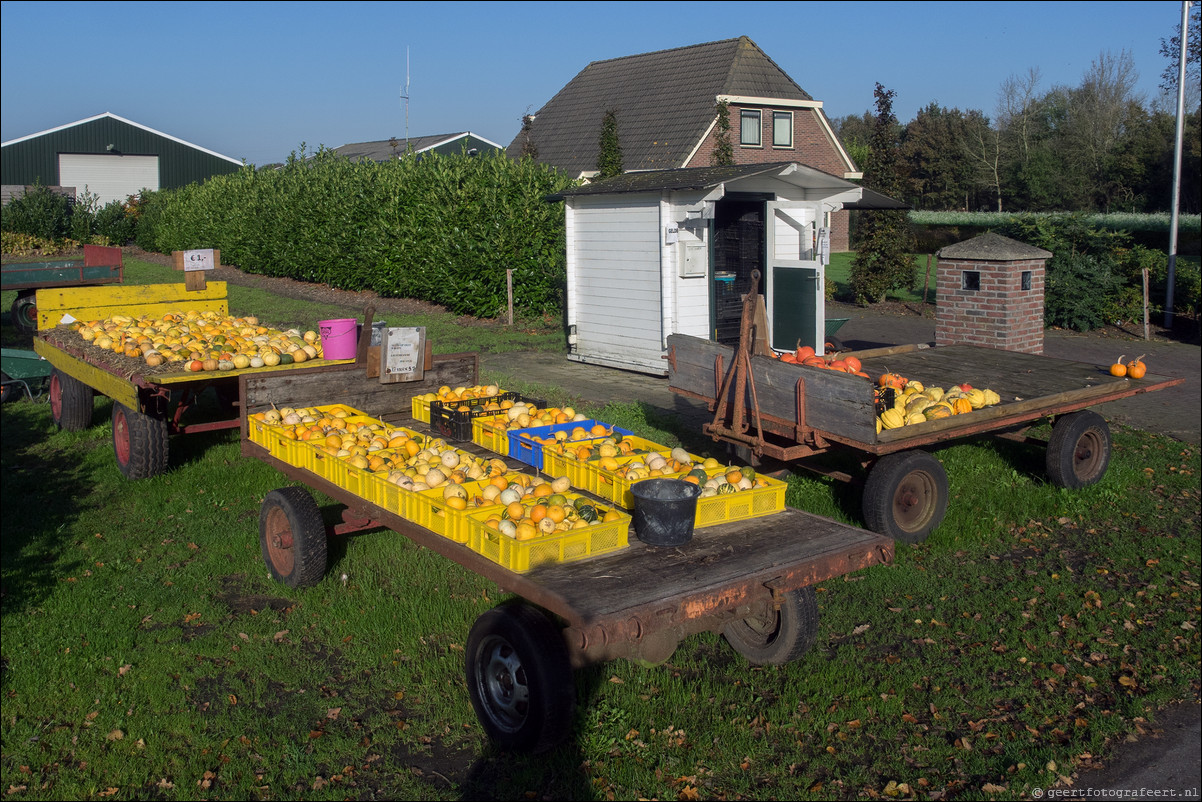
(793, 412)
(750, 580)
(148, 407)
(100, 265)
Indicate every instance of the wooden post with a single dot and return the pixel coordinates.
(194, 264)
(926, 284)
(1147, 331)
(509, 291)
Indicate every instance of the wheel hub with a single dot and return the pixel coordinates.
(504, 684)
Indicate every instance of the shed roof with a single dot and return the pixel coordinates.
(664, 102)
(111, 116)
(385, 149)
(994, 248)
(684, 179)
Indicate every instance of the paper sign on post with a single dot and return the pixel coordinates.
(403, 355)
(199, 260)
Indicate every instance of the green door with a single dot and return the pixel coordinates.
(794, 306)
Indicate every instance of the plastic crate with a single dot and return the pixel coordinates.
(452, 422)
(639, 445)
(485, 433)
(740, 506)
(524, 448)
(340, 472)
(420, 409)
(427, 508)
(522, 555)
(588, 475)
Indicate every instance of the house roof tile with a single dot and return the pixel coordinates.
(664, 102)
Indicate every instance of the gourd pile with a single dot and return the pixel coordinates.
(905, 402)
(199, 341)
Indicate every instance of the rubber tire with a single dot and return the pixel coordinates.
(292, 537)
(8, 392)
(786, 637)
(905, 497)
(70, 402)
(1078, 451)
(139, 442)
(519, 678)
(24, 313)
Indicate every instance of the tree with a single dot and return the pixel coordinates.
(883, 259)
(938, 177)
(609, 157)
(529, 149)
(1171, 50)
(724, 152)
(855, 133)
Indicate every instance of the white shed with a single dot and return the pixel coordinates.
(672, 252)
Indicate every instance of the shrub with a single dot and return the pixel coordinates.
(115, 224)
(1080, 291)
(40, 212)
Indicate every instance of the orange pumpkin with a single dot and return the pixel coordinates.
(1118, 369)
(1136, 368)
(892, 380)
(803, 352)
(788, 356)
(853, 364)
(961, 405)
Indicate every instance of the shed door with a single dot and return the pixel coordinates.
(111, 177)
(794, 296)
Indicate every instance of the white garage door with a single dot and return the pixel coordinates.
(109, 176)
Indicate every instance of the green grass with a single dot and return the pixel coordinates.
(839, 270)
(146, 652)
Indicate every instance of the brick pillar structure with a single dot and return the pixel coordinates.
(989, 291)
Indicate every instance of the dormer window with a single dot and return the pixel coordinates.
(782, 129)
(750, 128)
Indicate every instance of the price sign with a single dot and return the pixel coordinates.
(403, 355)
(199, 260)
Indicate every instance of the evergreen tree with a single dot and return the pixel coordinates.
(883, 259)
(724, 152)
(609, 158)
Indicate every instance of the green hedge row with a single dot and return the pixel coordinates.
(442, 229)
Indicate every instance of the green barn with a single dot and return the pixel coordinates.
(109, 156)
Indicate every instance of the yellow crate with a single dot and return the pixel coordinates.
(421, 409)
(742, 505)
(428, 509)
(390, 497)
(340, 472)
(485, 434)
(570, 546)
(287, 449)
(588, 475)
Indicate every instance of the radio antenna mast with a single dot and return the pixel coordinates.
(405, 99)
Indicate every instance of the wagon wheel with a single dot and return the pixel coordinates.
(24, 313)
(779, 638)
(292, 537)
(1078, 451)
(519, 678)
(70, 402)
(139, 442)
(905, 496)
(9, 389)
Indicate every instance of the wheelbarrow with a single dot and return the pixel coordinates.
(832, 326)
(22, 371)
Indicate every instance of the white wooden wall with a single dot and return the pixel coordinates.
(614, 281)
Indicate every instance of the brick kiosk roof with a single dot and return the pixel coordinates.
(994, 248)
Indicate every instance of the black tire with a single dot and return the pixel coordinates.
(780, 638)
(292, 537)
(519, 678)
(70, 402)
(24, 313)
(1078, 452)
(905, 496)
(139, 442)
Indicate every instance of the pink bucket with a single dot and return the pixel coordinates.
(338, 338)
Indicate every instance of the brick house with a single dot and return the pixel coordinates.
(665, 103)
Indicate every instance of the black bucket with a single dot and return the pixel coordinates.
(664, 511)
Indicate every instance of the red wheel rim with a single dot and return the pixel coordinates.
(121, 436)
(278, 532)
(56, 397)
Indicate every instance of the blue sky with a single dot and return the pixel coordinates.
(254, 80)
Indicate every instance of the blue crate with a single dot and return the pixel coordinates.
(524, 448)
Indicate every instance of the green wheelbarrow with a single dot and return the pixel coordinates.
(832, 326)
(22, 371)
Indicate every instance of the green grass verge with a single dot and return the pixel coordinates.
(147, 654)
(839, 271)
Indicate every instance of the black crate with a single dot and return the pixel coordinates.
(454, 423)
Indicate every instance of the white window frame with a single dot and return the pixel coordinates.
(759, 129)
(782, 115)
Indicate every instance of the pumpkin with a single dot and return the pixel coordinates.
(853, 364)
(1118, 369)
(937, 412)
(587, 512)
(961, 405)
(892, 380)
(1136, 369)
(892, 418)
(803, 352)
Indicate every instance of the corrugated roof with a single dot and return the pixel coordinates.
(664, 102)
(385, 149)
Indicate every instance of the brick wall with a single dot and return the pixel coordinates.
(811, 147)
(999, 314)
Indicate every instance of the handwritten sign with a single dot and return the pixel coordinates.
(403, 355)
(199, 260)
